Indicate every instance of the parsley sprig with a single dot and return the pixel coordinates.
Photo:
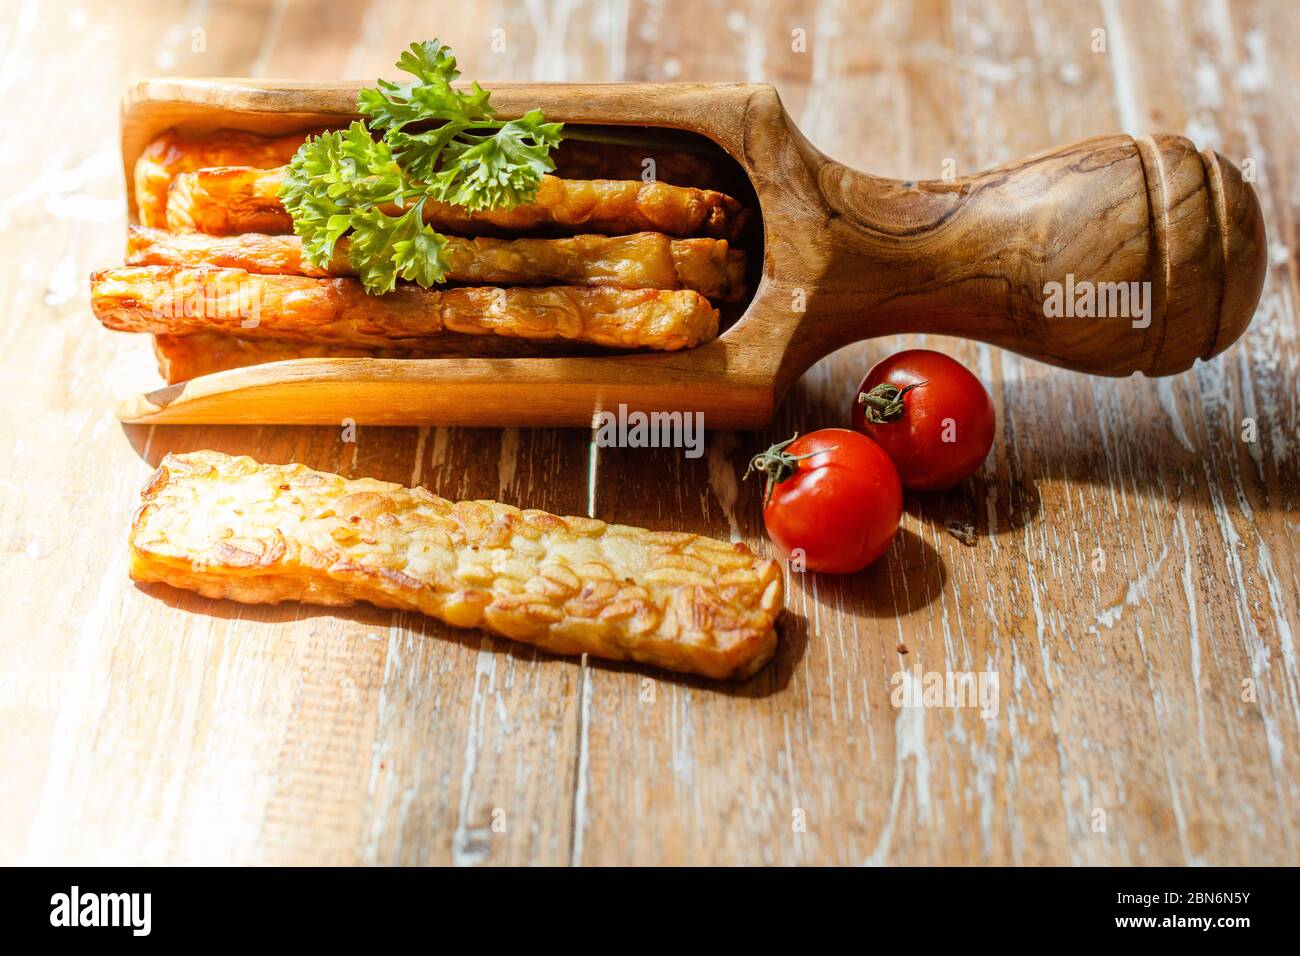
(343, 182)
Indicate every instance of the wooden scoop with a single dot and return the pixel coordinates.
(1007, 257)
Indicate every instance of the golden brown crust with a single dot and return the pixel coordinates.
(226, 200)
(175, 152)
(704, 264)
(183, 357)
(177, 300)
(643, 260)
(233, 199)
(231, 528)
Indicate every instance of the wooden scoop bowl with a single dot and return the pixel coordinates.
(846, 256)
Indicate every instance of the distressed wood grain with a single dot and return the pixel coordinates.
(1133, 564)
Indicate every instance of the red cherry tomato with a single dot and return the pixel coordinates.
(930, 415)
(834, 496)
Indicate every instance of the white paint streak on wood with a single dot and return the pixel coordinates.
(582, 770)
(1256, 649)
(368, 39)
(1277, 603)
(593, 473)
(379, 752)
(14, 40)
(1268, 337)
(550, 21)
(755, 49)
(438, 453)
(63, 192)
(1253, 75)
(815, 120)
(616, 14)
(470, 842)
(79, 708)
(1136, 592)
(909, 743)
(792, 778)
(417, 464)
(1165, 391)
(268, 37)
(507, 462)
(722, 478)
(1193, 631)
(1162, 716)
(1121, 65)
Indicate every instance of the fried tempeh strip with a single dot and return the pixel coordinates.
(231, 528)
(183, 357)
(175, 152)
(643, 260)
(177, 300)
(232, 199)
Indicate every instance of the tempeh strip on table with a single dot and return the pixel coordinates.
(231, 528)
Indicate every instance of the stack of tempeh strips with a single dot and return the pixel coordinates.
(216, 275)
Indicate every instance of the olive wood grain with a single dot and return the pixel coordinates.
(846, 256)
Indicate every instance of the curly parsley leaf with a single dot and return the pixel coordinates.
(430, 96)
(384, 248)
(348, 182)
(330, 178)
(498, 171)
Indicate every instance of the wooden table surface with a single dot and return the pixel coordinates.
(1132, 584)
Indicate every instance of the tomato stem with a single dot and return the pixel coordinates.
(776, 464)
(885, 402)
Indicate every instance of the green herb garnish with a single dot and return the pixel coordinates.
(338, 183)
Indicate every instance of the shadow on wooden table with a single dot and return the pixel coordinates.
(792, 631)
(1137, 437)
(1014, 503)
(193, 603)
(792, 642)
(906, 579)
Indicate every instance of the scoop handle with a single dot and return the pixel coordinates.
(1109, 256)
